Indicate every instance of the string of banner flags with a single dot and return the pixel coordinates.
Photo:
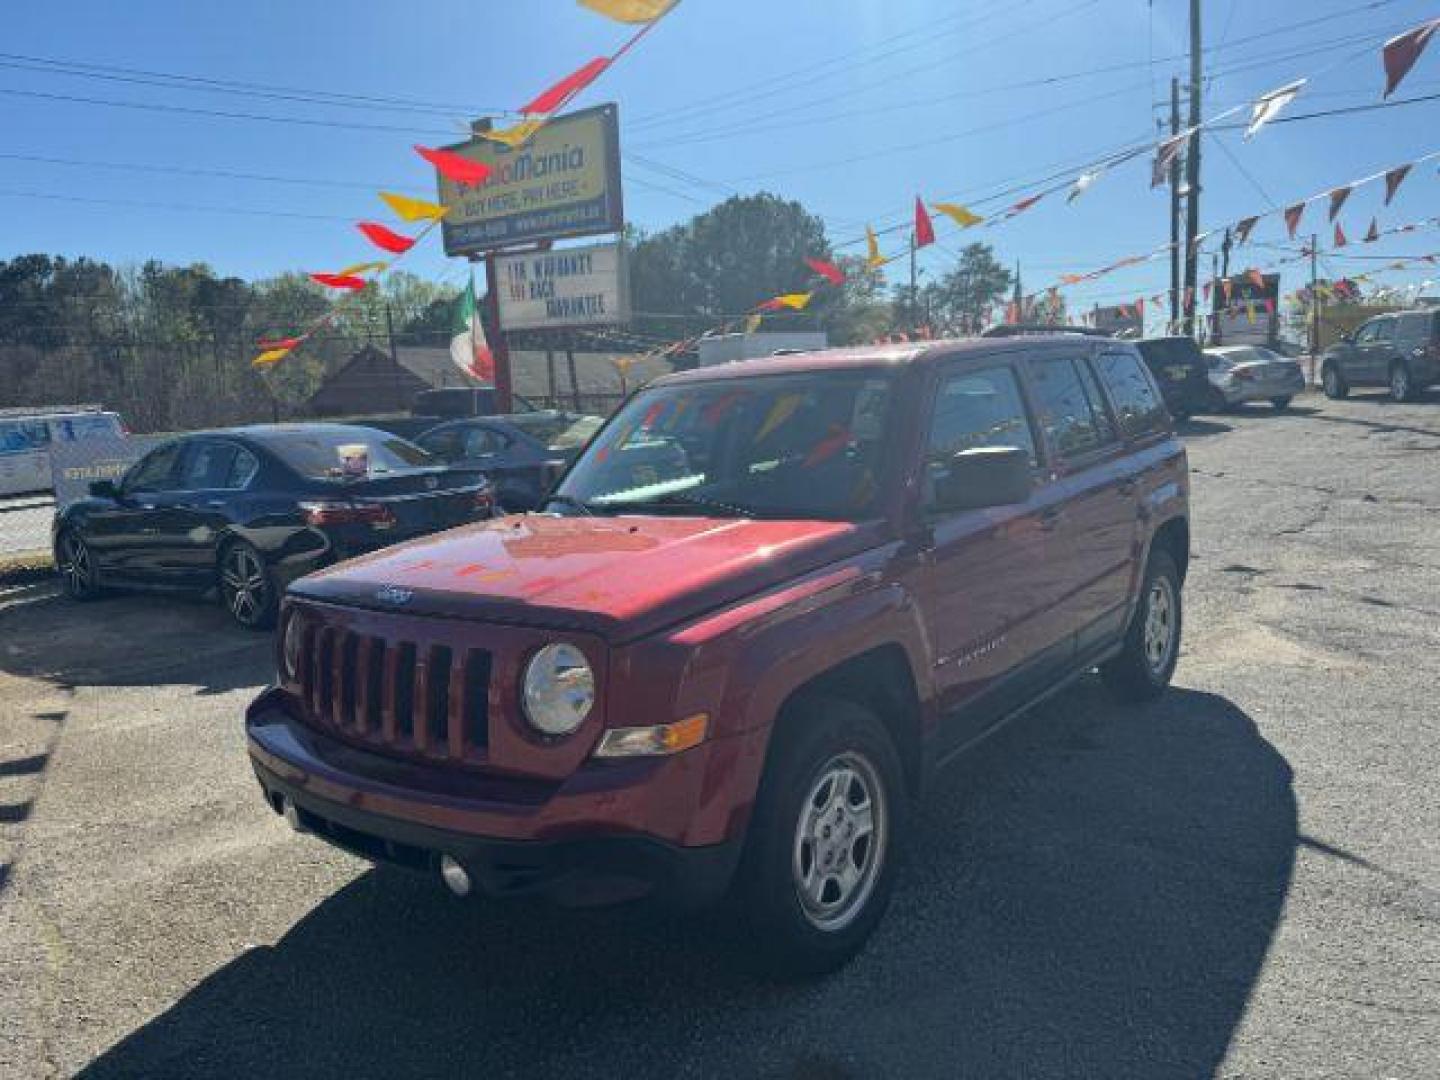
(1398, 55)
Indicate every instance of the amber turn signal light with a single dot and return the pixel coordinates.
(655, 740)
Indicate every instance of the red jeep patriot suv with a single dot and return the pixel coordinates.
(760, 610)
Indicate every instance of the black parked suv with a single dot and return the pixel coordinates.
(1180, 368)
(1400, 350)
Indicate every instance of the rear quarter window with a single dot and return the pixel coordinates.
(1137, 403)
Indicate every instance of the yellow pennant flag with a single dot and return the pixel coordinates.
(873, 258)
(753, 323)
(269, 357)
(516, 135)
(795, 301)
(362, 268)
(781, 411)
(409, 209)
(958, 214)
(630, 11)
(1250, 312)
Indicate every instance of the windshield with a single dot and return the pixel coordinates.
(782, 446)
(353, 452)
(558, 431)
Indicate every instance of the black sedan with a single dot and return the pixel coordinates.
(522, 454)
(246, 510)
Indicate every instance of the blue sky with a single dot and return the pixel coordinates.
(850, 107)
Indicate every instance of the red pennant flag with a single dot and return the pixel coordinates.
(1374, 233)
(924, 229)
(1025, 204)
(1256, 278)
(1337, 199)
(770, 305)
(828, 270)
(286, 343)
(1340, 240)
(1270, 304)
(384, 238)
(1204, 291)
(1292, 218)
(459, 170)
(339, 281)
(1140, 309)
(1165, 155)
(1243, 228)
(1226, 286)
(566, 88)
(1401, 52)
(1393, 179)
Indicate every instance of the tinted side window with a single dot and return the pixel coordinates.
(1072, 426)
(155, 471)
(1366, 333)
(1385, 330)
(1415, 326)
(205, 466)
(480, 440)
(443, 444)
(242, 469)
(1138, 405)
(975, 409)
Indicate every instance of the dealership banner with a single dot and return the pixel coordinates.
(75, 465)
(565, 181)
(581, 286)
(1246, 310)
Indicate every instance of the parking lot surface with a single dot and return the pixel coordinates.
(1243, 879)
(25, 524)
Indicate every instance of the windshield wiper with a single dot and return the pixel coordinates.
(568, 500)
(676, 498)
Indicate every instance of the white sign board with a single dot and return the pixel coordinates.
(579, 286)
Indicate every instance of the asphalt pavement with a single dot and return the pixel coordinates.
(1242, 879)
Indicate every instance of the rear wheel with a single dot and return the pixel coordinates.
(1218, 403)
(1402, 387)
(76, 566)
(1280, 404)
(247, 587)
(1333, 383)
(1145, 665)
(819, 863)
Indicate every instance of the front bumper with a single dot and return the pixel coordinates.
(612, 831)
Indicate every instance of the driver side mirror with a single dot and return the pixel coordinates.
(984, 476)
(104, 489)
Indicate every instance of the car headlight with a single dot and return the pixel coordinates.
(291, 639)
(559, 689)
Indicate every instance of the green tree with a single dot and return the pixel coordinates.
(957, 302)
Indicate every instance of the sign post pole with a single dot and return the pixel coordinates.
(500, 347)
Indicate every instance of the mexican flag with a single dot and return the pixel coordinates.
(468, 347)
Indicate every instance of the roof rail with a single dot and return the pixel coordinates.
(1037, 329)
(50, 410)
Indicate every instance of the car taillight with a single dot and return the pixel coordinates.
(333, 512)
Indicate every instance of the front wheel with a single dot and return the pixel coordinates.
(1402, 387)
(247, 587)
(1333, 383)
(1280, 404)
(76, 565)
(1145, 664)
(819, 863)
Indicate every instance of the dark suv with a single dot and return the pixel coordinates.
(768, 602)
(1401, 351)
(1182, 372)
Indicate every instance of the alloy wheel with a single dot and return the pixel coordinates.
(840, 842)
(244, 586)
(1160, 624)
(75, 566)
(1400, 382)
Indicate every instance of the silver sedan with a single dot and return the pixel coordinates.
(1241, 373)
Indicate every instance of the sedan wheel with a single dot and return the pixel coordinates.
(1332, 383)
(1400, 386)
(77, 568)
(246, 588)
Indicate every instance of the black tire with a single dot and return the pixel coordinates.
(1280, 404)
(247, 586)
(1218, 404)
(818, 738)
(1333, 383)
(1138, 673)
(1402, 385)
(75, 563)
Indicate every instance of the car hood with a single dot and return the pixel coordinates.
(622, 577)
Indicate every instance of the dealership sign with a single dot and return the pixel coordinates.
(1246, 312)
(581, 286)
(564, 182)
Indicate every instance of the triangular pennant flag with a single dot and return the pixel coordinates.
(1256, 278)
(961, 215)
(1374, 232)
(1337, 199)
(793, 301)
(1400, 53)
(339, 281)
(1024, 204)
(457, 169)
(1293, 214)
(828, 270)
(408, 209)
(873, 258)
(270, 357)
(286, 343)
(1165, 155)
(924, 228)
(1227, 286)
(1205, 292)
(1269, 302)
(752, 323)
(1082, 183)
(1268, 106)
(517, 135)
(1250, 312)
(1243, 229)
(385, 239)
(630, 11)
(1340, 240)
(355, 269)
(1140, 309)
(549, 100)
(1393, 179)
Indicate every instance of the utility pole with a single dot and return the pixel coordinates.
(1175, 203)
(1192, 170)
(1314, 302)
(912, 308)
(1224, 275)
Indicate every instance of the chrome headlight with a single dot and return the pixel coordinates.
(559, 689)
(291, 639)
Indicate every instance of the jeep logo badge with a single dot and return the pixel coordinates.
(393, 594)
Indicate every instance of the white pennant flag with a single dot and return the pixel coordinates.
(1082, 184)
(1268, 106)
